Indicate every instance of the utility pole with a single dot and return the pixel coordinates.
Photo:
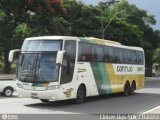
(103, 5)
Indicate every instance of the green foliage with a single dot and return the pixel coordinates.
(122, 22)
(156, 56)
(82, 19)
(132, 26)
(23, 18)
(1, 65)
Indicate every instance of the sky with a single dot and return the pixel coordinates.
(151, 6)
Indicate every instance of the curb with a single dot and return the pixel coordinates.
(152, 78)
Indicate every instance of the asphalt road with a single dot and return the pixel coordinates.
(143, 100)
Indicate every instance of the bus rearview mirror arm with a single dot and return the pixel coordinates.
(11, 54)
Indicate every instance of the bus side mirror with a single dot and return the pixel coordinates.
(11, 55)
(59, 56)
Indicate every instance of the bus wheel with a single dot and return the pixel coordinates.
(8, 91)
(133, 87)
(126, 89)
(44, 101)
(81, 94)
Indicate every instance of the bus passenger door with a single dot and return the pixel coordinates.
(68, 64)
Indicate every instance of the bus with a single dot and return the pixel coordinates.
(52, 68)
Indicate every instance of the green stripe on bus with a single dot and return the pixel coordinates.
(40, 84)
(98, 77)
(105, 77)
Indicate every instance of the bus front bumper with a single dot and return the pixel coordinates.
(51, 95)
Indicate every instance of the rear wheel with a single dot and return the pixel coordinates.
(44, 100)
(126, 89)
(81, 94)
(8, 92)
(133, 87)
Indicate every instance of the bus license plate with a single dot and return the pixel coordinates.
(34, 95)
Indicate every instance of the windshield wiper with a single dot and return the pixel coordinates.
(34, 68)
(30, 73)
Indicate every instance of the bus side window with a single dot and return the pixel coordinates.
(118, 56)
(129, 57)
(140, 57)
(94, 53)
(123, 56)
(134, 57)
(100, 54)
(111, 55)
(106, 54)
(84, 52)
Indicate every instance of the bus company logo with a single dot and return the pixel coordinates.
(34, 88)
(9, 117)
(4, 116)
(68, 92)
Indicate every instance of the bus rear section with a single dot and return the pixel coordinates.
(108, 67)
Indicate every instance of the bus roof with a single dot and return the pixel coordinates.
(51, 38)
(97, 40)
(92, 40)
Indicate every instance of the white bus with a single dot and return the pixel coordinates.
(55, 68)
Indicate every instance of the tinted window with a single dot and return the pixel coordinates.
(118, 55)
(97, 53)
(84, 52)
(128, 56)
(134, 57)
(106, 54)
(111, 54)
(140, 57)
(123, 56)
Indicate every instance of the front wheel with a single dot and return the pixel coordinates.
(8, 92)
(81, 94)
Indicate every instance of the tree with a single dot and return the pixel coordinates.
(133, 28)
(82, 19)
(122, 22)
(16, 13)
(156, 56)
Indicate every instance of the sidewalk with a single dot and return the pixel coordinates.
(155, 110)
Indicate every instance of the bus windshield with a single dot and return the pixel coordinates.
(38, 67)
(41, 45)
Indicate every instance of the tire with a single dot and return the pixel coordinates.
(8, 92)
(126, 89)
(81, 94)
(133, 87)
(44, 100)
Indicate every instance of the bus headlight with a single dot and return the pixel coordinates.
(19, 85)
(53, 87)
